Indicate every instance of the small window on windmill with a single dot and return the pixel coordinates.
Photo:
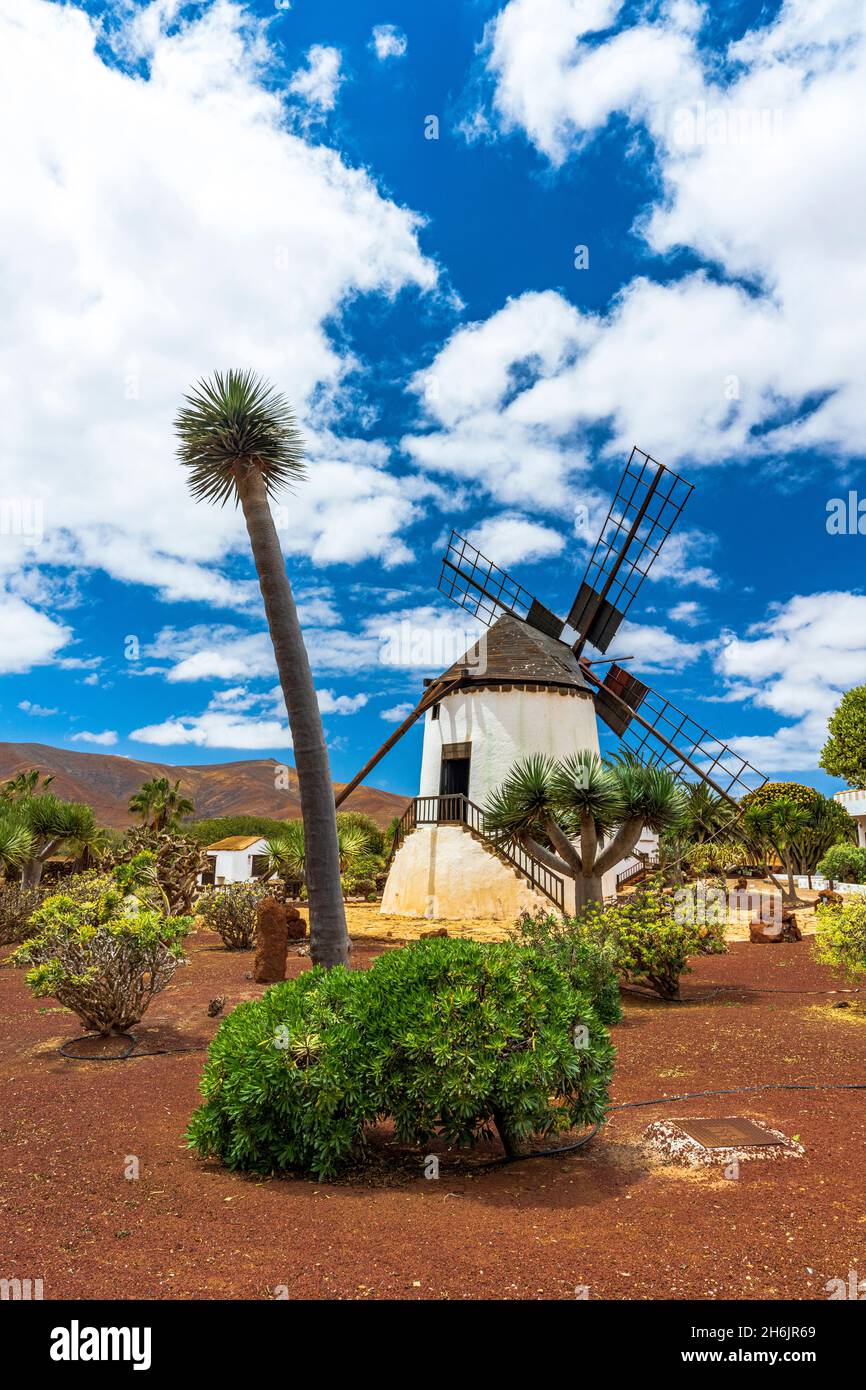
(434, 713)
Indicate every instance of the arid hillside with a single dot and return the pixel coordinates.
(106, 782)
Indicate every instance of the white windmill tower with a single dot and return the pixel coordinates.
(526, 688)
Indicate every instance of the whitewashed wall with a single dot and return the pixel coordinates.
(236, 865)
(819, 883)
(502, 727)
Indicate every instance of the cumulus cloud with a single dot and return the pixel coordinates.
(797, 663)
(130, 271)
(214, 729)
(330, 703)
(106, 739)
(28, 637)
(688, 612)
(318, 82)
(397, 713)
(388, 41)
(761, 162)
(510, 538)
(655, 649)
(35, 711)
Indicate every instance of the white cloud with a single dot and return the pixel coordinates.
(688, 612)
(317, 84)
(329, 703)
(509, 539)
(471, 392)
(214, 729)
(655, 649)
(35, 711)
(27, 636)
(765, 176)
(388, 41)
(107, 738)
(397, 713)
(130, 270)
(797, 663)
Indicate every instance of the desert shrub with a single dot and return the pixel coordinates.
(176, 862)
(448, 1038)
(17, 904)
(652, 934)
(589, 965)
(231, 911)
(844, 863)
(85, 886)
(466, 1036)
(719, 856)
(99, 959)
(840, 941)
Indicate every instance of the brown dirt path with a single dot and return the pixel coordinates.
(608, 1217)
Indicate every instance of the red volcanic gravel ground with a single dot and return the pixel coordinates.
(610, 1217)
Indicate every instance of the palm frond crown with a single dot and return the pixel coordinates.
(233, 422)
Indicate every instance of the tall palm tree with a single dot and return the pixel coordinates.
(144, 802)
(574, 804)
(238, 438)
(161, 804)
(25, 784)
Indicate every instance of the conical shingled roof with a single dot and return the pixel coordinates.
(516, 653)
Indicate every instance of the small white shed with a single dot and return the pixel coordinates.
(236, 859)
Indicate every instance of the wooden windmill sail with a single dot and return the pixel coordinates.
(644, 510)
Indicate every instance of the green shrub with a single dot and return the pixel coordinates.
(231, 912)
(99, 959)
(17, 905)
(840, 941)
(652, 934)
(445, 1037)
(845, 864)
(589, 965)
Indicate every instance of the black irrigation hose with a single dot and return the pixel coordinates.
(667, 1100)
(129, 1053)
(644, 992)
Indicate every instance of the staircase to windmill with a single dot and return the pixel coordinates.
(457, 810)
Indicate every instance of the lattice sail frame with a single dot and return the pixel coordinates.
(486, 591)
(623, 702)
(647, 502)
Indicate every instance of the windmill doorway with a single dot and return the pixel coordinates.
(454, 780)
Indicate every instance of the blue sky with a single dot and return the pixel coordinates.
(211, 185)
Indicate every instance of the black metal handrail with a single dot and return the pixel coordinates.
(647, 862)
(455, 808)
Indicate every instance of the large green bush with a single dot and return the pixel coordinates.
(801, 795)
(101, 959)
(448, 1038)
(231, 911)
(844, 863)
(652, 934)
(840, 941)
(589, 965)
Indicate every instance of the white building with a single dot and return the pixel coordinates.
(236, 859)
(520, 692)
(855, 804)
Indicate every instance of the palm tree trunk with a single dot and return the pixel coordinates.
(329, 941)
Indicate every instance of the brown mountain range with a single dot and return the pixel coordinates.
(106, 782)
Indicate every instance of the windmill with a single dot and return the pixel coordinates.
(528, 650)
